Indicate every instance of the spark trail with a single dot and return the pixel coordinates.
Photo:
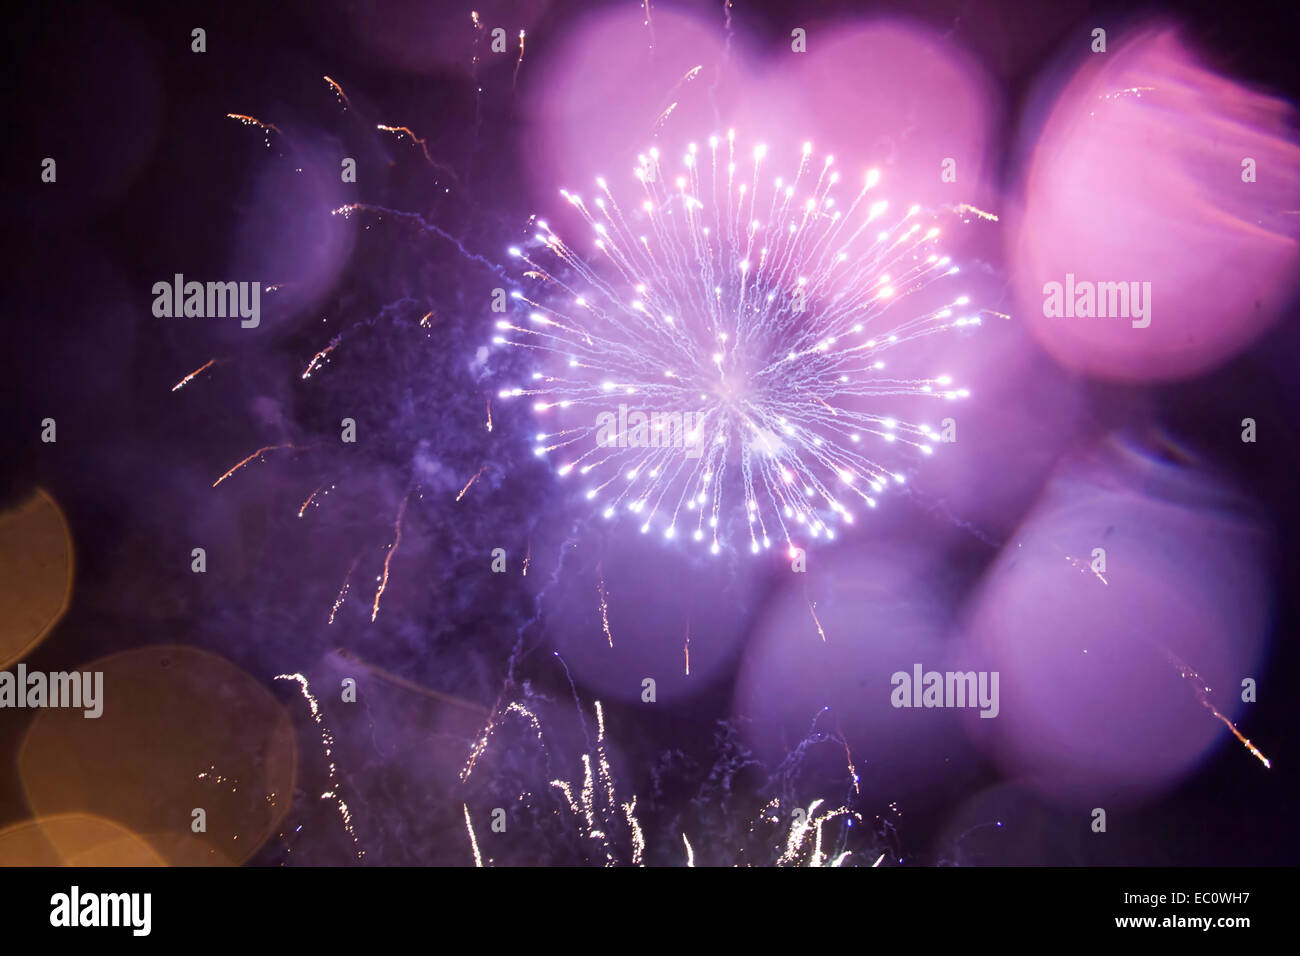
(327, 747)
(257, 454)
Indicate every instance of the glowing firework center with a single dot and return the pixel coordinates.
(724, 350)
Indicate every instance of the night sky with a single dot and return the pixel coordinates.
(154, 179)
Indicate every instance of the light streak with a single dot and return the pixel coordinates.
(188, 378)
(257, 454)
(338, 90)
(327, 746)
(388, 557)
(473, 841)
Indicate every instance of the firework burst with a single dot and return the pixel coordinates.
(743, 324)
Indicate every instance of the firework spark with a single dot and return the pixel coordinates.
(1202, 690)
(343, 591)
(198, 371)
(406, 131)
(470, 483)
(686, 647)
(327, 747)
(338, 91)
(604, 610)
(748, 322)
(320, 356)
(266, 128)
(388, 557)
(312, 497)
(257, 454)
(473, 840)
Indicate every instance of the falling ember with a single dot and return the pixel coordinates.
(519, 62)
(604, 609)
(312, 497)
(338, 91)
(686, 648)
(189, 378)
(965, 209)
(489, 414)
(663, 117)
(473, 841)
(853, 771)
(812, 609)
(327, 746)
(319, 357)
(690, 853)
(266, 128)
(528, 555)
(343, 591)
(424, 321)
(1201, 691)
(470, 483)
(257, 454)
(404, 130)
(392, 550)
(650, 27)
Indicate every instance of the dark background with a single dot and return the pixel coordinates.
(154, 179)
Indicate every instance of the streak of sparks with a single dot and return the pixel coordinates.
(257, 454)
(189, 378)
(528, 555)
(312, 497)
(604, 610)
(663, 117)
(812, 824)
(327, 746)
(473, 841)
(650, 28)
(388, 557)
(494, 721)
(400, 130)
(967, 209)
(343, 591)
(597, 779)
(686, 648)
(690, 853)
(489, 415)
(853, 771)
(519, 62)
(320, 357)
(1201, 690)
(266, 128)
(470, 483)
(338, 90)
(812, 609)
